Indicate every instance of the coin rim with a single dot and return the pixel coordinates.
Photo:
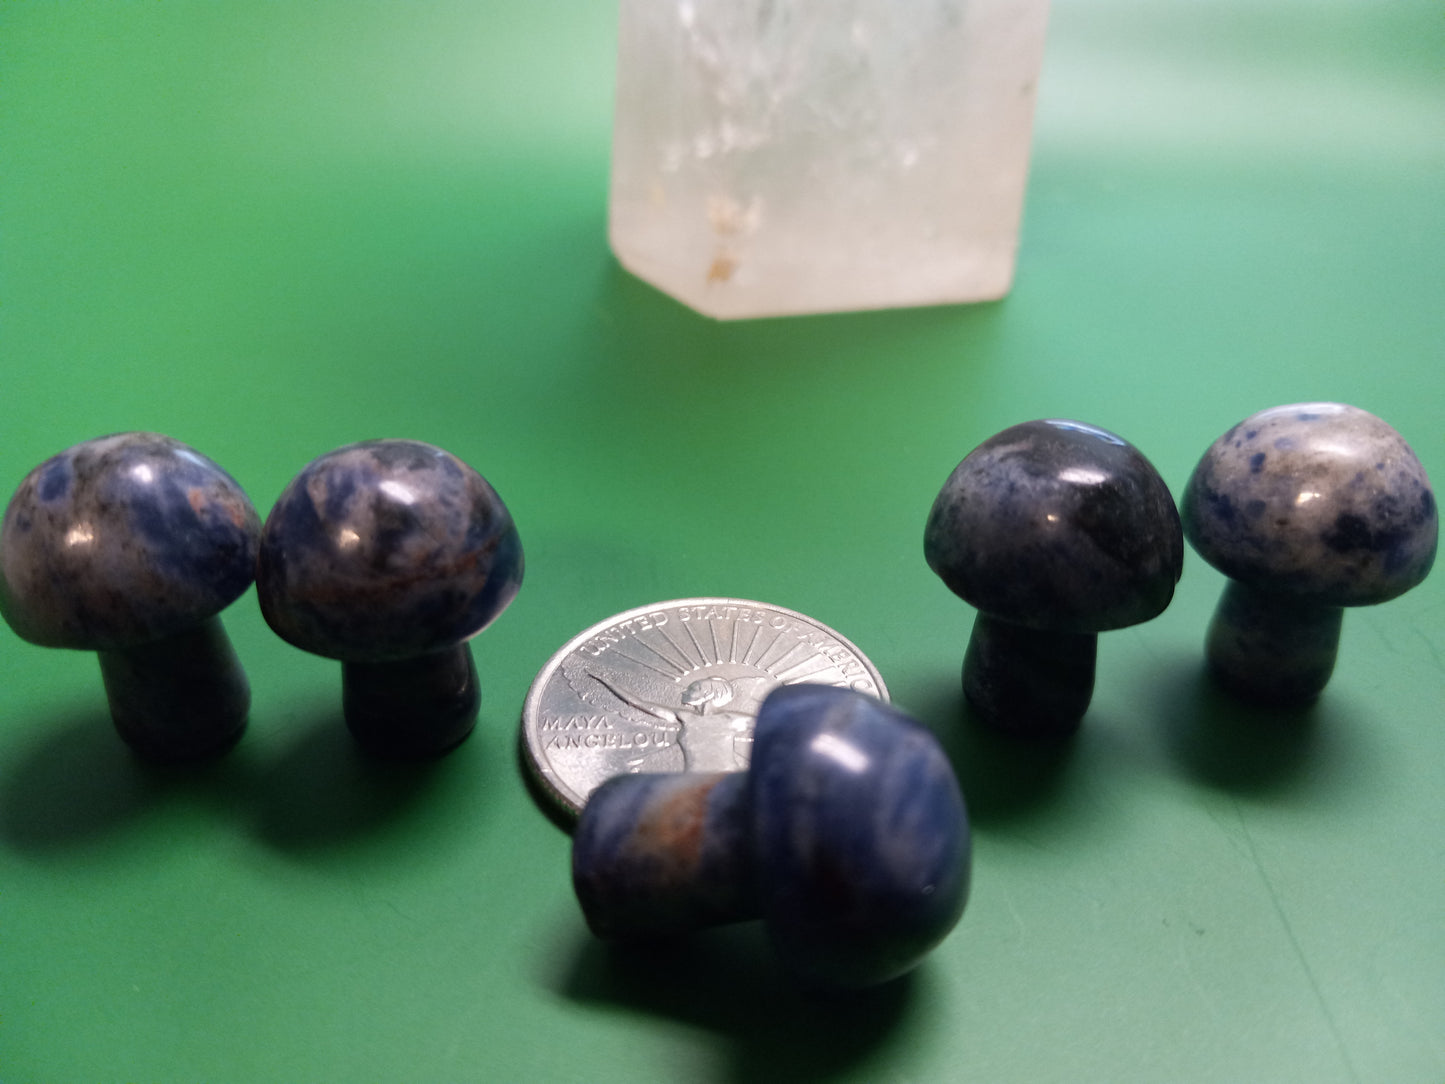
(545, 777)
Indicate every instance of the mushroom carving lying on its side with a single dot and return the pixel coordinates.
(130, 546)
(847, 835)
(1307, 509)
(1056, 531)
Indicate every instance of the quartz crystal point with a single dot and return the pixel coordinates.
(779, 156)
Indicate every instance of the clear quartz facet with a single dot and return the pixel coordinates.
(784, 156)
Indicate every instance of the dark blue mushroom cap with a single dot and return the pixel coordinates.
(386, 550)
(123, 540)
(861, 838)
(1057, 525)
(1314, 500)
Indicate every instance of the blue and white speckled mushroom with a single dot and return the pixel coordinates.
(1308, 508)
(130, 546)
(389, 555)
(847, 835)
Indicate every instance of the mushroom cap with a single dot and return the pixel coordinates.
(1057, 525)
(386, 550)
(1322, 501)
(122, 540)
(862, 841)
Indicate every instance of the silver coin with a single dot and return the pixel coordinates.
(674, 687)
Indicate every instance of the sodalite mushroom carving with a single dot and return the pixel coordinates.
(389, 555)
(1308, 508)
(847, 835)
(1056, 531)
(130, 546)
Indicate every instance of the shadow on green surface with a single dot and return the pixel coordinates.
(1003, 776)
(322, 791)
(654, 325)
(80, 782)
(726, 981)
(756, 389)
(1225, 743)
(77, 783)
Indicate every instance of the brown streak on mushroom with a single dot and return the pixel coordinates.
(673, 829)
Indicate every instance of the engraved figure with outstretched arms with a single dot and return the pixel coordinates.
(712, 739)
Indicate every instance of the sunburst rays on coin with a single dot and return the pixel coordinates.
(663, 660)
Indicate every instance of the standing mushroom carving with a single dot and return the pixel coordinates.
(389, 555)
(130, 546)
(1056, 531)
(1307, 508)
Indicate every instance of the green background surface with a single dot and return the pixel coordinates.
(269, 229)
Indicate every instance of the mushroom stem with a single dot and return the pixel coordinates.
(418, 707)
(1272, 648)
(180, 698)
(1029, 681)
(666, 853)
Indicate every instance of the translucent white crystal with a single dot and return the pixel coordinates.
(790, 156)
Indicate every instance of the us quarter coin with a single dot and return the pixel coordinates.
(674, 687)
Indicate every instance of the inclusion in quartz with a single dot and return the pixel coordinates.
(782, 156)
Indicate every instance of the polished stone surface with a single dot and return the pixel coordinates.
(1029, 682)
(665, 853)
(848, 835)
(130, 545)
(411, 708)
(389, 555)
(178, 699)
(1272, 648)
(1055, 530)
(386, 550)
(1308, 508)
(862, 840)
(1057, 525)
(1319, 500)
(121, 540)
